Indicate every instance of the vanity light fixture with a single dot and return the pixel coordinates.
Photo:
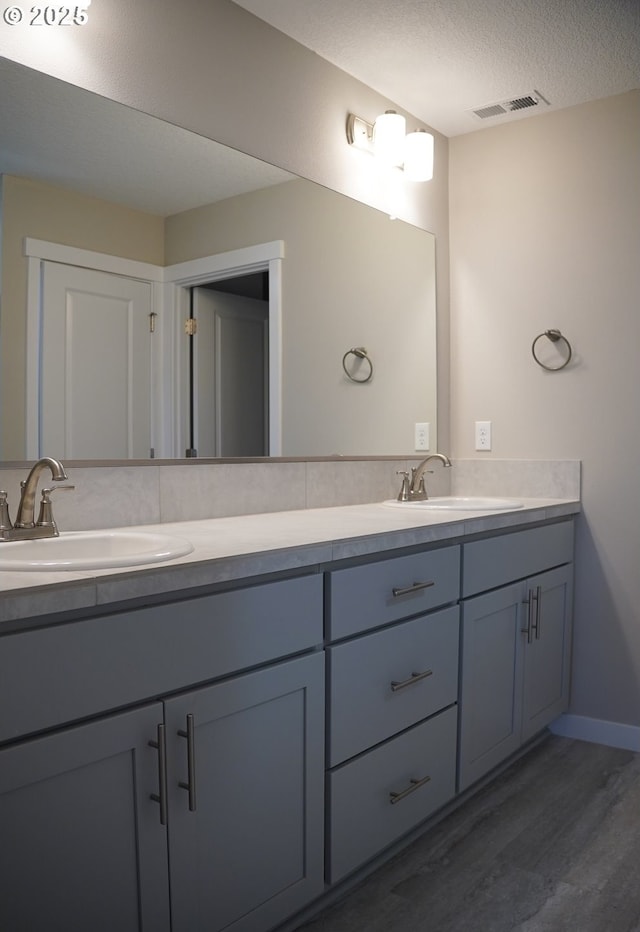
(387, 140)
(418, 156)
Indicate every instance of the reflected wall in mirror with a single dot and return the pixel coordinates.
(350, 276)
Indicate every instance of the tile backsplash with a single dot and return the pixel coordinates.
(528, 478)
(120, 495)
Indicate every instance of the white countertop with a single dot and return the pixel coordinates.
(251, 545)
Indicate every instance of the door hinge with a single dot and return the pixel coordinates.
(190, 326)
(152, 322)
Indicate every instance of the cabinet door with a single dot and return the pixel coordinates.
(548, 650)
(491, 681)
(250, 851)
(81, 845)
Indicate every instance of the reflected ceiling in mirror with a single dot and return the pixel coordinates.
(66, 136)
(149, 191)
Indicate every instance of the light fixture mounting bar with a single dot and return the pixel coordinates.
(359, 133)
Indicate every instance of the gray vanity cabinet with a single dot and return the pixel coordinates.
(516, 642)
(81, 845)
(249, 851)
(162, 768)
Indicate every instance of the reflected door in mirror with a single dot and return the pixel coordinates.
(229, 377)
(95, 364)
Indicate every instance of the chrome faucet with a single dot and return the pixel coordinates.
(413, 488)
(25, 528)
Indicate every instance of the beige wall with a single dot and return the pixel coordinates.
(30, 208)
(351, 277)
(545, 232)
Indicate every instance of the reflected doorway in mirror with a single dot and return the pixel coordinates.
(229, 368)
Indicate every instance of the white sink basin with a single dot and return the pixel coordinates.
(91, 550)
(461, 503)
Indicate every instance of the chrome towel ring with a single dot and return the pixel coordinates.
(360, 353)
(555, 336)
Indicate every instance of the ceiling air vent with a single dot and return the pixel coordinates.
(509, 106)
(521, 102)
(493, 110)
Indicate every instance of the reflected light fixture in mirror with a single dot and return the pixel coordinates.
(386, 140)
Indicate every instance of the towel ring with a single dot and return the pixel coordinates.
(554, 336)
(360, 353)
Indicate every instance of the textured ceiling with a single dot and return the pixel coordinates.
(440, 59)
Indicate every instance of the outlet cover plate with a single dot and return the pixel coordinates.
(421, 437)
(483, 435)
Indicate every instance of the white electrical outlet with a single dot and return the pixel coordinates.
(421, 437)
(483, 435)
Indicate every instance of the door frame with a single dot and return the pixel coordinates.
(169, 285)
(182, 276)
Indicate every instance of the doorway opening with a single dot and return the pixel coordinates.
(228, 367)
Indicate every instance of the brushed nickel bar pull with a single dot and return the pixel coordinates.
(414, 785)
(414, 678)
(537, 599)
(161, 796)
(190, 785)
(416, 587)
(529, 629)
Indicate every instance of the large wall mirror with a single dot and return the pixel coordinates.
(282, 276)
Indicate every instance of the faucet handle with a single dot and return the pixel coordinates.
(403, 494)
(418, 492)
(45, 517)
(5, 520)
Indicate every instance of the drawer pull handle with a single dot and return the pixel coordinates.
(190, 785)
(414, 678)
(414, 785)
(416, 587)
(161, 796)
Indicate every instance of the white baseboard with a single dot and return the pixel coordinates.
(613, 734)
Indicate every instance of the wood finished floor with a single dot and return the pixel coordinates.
(553, 845)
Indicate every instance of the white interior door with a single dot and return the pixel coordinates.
(230, 374)
(95, 378)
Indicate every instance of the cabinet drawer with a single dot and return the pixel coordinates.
(364, 597)
(70, 671)
(363, 819)
(378, 684)
(498, 560)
